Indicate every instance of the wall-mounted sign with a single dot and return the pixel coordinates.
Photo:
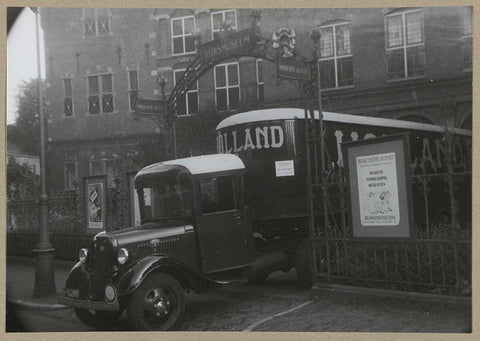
(95, 203)
(380, 188)
(293, 69)
(234, 44)
(284, 168)
(150, 106)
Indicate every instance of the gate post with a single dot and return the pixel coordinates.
(453, 205)
(311, 220)
(450, 171)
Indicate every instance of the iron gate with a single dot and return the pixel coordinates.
(438, 260)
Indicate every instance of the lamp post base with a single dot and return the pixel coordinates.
(44, 274)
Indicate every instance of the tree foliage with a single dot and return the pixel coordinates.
(21, 181)
(25, 131)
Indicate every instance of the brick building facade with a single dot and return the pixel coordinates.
(403, 63)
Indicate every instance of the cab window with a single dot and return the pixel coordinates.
(168, 200)
(217, 194)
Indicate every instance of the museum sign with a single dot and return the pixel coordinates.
(145, 106)
(293, 69)
(234, 44)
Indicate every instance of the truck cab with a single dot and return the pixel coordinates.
(195, 234)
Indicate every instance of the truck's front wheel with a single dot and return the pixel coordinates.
(157, 304)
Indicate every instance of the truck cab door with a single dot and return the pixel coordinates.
(225, 233)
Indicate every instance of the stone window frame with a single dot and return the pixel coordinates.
(68, 96)
(133, 93)
(336, 57)
(223, 12)
(227, 86)
(104, 170)
(260, 83)
(190, 91)
(96, 22)
(68, 186)
(183, 35)
(467, 38)
(101, 93)
(405, 46)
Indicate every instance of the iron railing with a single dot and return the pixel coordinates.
(66, 213)
(436, 260)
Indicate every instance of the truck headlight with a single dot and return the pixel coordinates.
(122, 256)
(82, 255)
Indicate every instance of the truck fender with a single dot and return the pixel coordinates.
(79, 278)
(188, 277)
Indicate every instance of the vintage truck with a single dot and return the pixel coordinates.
(195, 234)
(212, 221)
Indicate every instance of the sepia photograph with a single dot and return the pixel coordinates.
(239, 169)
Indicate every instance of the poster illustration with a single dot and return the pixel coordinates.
(94, 193)
(380, 187)
(95, 209)
(378, 190)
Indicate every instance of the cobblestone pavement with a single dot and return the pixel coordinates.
(237, 308)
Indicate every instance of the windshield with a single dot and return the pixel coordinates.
(166, 201)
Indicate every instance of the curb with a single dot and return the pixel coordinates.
(34, 306)
(395, 294)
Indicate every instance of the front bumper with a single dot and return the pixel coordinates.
(84, 304)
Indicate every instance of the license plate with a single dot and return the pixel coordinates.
(73, 293)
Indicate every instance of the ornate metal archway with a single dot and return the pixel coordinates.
(260, 48)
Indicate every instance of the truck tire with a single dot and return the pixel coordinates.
(157, 304)
(98, 319)
(303, 264)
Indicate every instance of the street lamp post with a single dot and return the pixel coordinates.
(162, 81)
(44, 277)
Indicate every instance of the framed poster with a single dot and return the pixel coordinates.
(134, 204)
(95, 203)
(378, 172)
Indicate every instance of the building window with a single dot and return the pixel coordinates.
(223, 19)
(132, 88)
(68, 97)
(260, 86)
(227, 86)
(104, 167)
(96, 21)
(183, 40)
(100, 93)
(188, 104)
(70, 172)
(405, 52)
(467, 38)
(336, 61)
